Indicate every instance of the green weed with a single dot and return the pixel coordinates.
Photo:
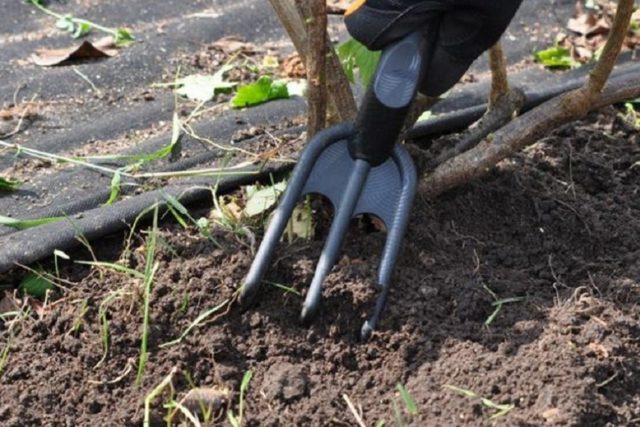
(285, 288)
(103, 312)
(498, 303)
(151, 266)
(119, 268)
(11, 327)
(503, 409)
(57, 253)
(409, 403)
(197, 322)
(236, 421)
(157, 390)
(8, 184)
(180, 212)
(77, 323)
(23, 224)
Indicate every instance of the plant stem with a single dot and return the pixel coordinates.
(599, 75)
(538, 122)
(49, 156)
(499, 77)
(93, 24)
(73, 19)
(315, 13)
(47, 11)
(338, 89)
(151, 266)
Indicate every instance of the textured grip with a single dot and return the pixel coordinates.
(398, 73)
(388, 99)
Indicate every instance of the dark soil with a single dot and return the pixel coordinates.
(558, 225)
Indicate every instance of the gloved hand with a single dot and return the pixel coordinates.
(458, 31)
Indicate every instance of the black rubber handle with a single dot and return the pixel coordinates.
(388, 99)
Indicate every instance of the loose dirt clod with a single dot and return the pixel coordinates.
(285, 381)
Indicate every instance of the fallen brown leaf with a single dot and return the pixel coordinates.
(233, 43)
(589, 29)
(588, 25)
(102, 48)
(293, 67)
(8, 303)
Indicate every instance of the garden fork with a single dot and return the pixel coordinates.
(360, 169)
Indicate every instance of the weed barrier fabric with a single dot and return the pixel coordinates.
(93, 120)
(31, 245)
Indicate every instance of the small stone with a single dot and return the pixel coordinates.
(427, 291)
(550, 414)
(255, 320)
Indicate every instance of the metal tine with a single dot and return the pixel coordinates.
(331, 249)
(285, 208)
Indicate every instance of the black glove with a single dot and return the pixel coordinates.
(458, 31)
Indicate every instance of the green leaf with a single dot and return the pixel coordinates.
(460, 390)
(556, 57)
(502, 409)
(82, 29)
(36, 285)
(123, 38)
(8, 185)
(170, 149)
(270, 61)
(354, 55)
(199, 87)
(259, 201)
(115, 267)
(115, 188)
(265, 89)
(409, 403)
(65, 23)
(301, 222)
(233, 420)
(203, 223)
(244, 384)
(22, 224)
